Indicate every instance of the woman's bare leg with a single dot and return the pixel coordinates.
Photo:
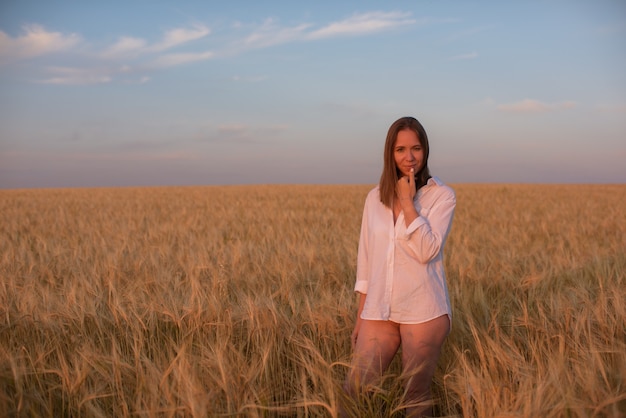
(376, 345)
(421, 345)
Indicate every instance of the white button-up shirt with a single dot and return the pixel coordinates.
(400, 268)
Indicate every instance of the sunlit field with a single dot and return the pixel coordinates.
(238, 301)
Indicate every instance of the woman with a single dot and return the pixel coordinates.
(400, 275)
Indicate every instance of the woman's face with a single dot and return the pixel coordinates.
(408, 152)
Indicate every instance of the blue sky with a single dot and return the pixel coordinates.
(135, 93)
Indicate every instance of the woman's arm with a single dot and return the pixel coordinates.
(362, 263)
(408, 208)
(426, 235)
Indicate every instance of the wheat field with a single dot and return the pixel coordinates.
(237, 301)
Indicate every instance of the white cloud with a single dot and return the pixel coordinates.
(535, 106)
(131, 47)
(364, 23)
(180, 36)
(154, 55)
(128, 46)
(171, 60)
(125, 46)
(35, 41)
(67, 75)
(271, 34)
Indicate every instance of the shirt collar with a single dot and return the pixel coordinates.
(434, 181)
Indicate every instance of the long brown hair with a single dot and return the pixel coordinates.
(390, 176)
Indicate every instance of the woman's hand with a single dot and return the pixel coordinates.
(405, 189)
(359, 321)
(355, 332)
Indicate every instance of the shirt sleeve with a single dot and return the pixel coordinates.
(425, 235)
(362, 265)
